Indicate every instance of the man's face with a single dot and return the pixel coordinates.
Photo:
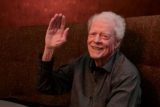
(101, 39)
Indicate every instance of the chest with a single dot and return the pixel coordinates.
(91, 87)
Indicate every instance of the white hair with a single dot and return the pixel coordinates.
(119, 22)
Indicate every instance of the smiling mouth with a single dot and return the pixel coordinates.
(96, 48)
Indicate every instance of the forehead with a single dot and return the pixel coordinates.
(102, 25)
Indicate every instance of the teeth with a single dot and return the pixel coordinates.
(97, 48)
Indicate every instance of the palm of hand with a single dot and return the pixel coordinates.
(56, 34)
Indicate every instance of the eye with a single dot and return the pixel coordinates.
(92, 34)
(105, 36)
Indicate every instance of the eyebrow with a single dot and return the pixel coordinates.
(107, 33)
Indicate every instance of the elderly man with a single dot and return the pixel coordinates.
(103, 77)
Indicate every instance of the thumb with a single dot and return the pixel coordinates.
(65, 33)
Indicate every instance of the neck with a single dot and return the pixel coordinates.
(101, 62)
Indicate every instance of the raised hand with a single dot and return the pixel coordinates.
(56, 33)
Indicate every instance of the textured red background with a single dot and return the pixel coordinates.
(38, 12)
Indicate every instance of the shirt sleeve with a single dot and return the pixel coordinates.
(52, 81)
(126, 92)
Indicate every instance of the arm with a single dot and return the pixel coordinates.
(58, 81)
(54, 81)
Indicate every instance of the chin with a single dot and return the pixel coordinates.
(95, 56)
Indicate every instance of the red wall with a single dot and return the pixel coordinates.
(37, 12)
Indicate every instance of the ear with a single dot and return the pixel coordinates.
(117, 44)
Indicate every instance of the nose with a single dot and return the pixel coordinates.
(97, 38)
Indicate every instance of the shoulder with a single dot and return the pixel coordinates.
(125, 69)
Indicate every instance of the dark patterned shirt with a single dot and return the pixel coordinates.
(116, 84)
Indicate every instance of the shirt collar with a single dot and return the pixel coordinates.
(107, 67)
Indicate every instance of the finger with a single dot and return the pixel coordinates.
(52, 22)
(63, 22)
(58, 21)
(65, 33)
